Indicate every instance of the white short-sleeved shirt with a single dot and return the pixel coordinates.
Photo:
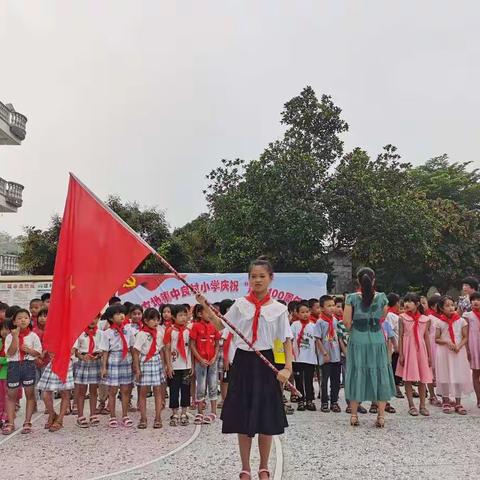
(457, 329)
(307, 351)
(143, 341)
(83, 342)
(32, 340)
(111, 341)
(231, 349)
(178, 363)
(392, 319)
(272, 324)
(134, 328)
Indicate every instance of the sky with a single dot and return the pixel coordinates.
(143, 98)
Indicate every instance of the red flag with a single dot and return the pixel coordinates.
(96, 252)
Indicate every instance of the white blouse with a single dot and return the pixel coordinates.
(143, 341)
(273, 323)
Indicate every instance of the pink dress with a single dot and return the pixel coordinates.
(452, 369)
(473, 339)
(416, 368)
(433, 343)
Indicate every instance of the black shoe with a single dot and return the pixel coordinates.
(325, 408)
(311, 407)
(361, 409)
(289, 410)
(335, 408)
(301, 407)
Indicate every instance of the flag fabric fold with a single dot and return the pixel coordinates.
(96, 252)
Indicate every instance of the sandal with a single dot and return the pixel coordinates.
(198, 419)
(82, 422)
(27, 428)
(184, 420)
(389, 408)
(263, 470)
(289, 410)
(174, 420)
(126, 422)
(380, 423)
(361, 409)
(335, 408)
(245, 472)
(157, 424)
(399, 394)
(373, 409)
(113, 422)
(413, 411)
(435, 402)
(142, 425)
(8, 429)
(424, 412)
(94, 421)
(209, 419)
(348, 409)
(324, 408)
(50, 421)
(354, 421)
(301, 407)
(56, 426)
(293, 399)
(310, 406)
(460, 410)
(447, 408)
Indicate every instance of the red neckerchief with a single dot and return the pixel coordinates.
(416, 320)
(331, 329)
(450, 322)
(339, 317)
(153, 347)
(226, 347)
(119, 329)
(477, 314)
(252, 298)
(21, 338)
(392, 310)
(300, 335)
(91, 332)
(433, 313)
(167, 323)
(180, 341)
(313, 319)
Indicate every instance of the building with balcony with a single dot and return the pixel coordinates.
(12, 132)
(9, 265)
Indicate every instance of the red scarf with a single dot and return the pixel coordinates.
(153, 347)
(392, 310)
(433, 312)
(416, 320)
(91, 332)
(300, 335)
(331, 329)
(180, 341)
(477, 314)
(252, 298)
(450, 322)
(119, 329)
(21, 338)
(339, 317)
(226, 348)
(313, 319)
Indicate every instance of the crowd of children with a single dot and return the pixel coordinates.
(176, 353)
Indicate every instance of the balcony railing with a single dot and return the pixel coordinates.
(16, 121)
(12, 192)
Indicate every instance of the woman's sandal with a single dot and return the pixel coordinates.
(27, 428)
(82, 422)
(113, 422)
(157, 424)
(94, 421)
(380, 423)
(263, 470)
(244, 472)
(447, 408)
(184, 420)
(56, 426)
(373, 409)
(354, 421)
(174, 419)
(413, 411)
(8, 429)
(127, 422)
(198, 419)
(142, 425)
(209, 419)
(50, 421)
(424, 412)
(460, 410)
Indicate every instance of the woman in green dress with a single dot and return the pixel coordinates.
(369, 373)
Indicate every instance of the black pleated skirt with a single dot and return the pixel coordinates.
(254, 403)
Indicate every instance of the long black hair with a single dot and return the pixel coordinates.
(413, 297)
(366, 280)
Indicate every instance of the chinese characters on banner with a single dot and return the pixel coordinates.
(154, 290)
(21, 292)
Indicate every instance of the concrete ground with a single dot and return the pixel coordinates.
(316, 446)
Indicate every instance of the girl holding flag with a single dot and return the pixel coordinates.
(254, 403)
(415, 358)
(88, 372)
(148, 365)
(452, 367)
(116, 345)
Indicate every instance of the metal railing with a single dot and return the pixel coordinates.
(12, 192)
(16, 121)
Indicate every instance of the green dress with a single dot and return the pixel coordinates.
(369, 373)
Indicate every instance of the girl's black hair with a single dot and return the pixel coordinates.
(113, 310)
(340, 300)
(162, 309)
(475, 296)
(433, 302)
(15, 315)
(43, 312)
(176, 309)
(134, 307)
(127, 306)
(413, 297)
(149, 314)
(10, 311)
(292, 306)
(197, 310)
(443, 300)
(225, 305)
(393, 299)
(366, 280)
(312, 302)
(261, 261)
(300, 304)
